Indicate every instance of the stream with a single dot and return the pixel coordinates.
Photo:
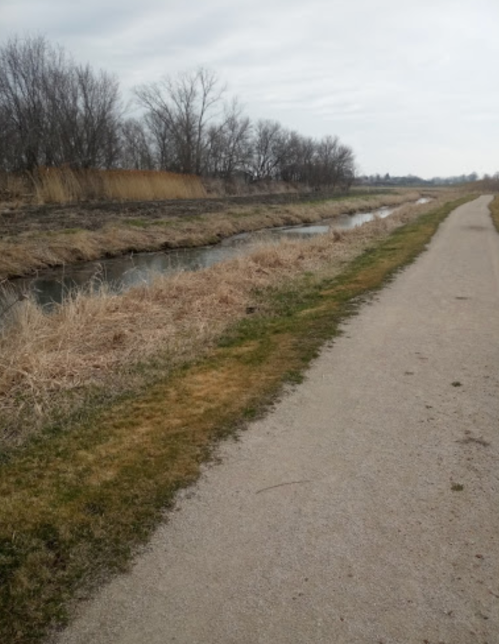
(120, 273)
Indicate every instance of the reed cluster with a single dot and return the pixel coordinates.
(64, 185)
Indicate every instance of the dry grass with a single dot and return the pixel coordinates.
(50, 361)
(494, 211)
(63, 185)
(218, 187)
(29, 252)
(488, 185)
(14, 188)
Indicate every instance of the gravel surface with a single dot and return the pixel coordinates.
(364, 507)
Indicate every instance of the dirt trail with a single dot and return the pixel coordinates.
(364, 507)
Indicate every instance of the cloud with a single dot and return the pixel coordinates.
(411, 87)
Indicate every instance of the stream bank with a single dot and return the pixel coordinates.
(120, 273)
(151, 229)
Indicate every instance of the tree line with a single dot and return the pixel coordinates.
(55, 112)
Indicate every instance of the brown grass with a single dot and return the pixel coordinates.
(29, 252)
(491, 184)
(14, 188)
(63, 185)
(49, 362)
(494, 211)
(218, 187)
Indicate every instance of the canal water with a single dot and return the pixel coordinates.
(121, 273)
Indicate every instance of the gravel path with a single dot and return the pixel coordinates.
(365, 507)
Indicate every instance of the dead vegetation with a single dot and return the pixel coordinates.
(50, 362)
(64, 185)
(494, 211)
(33, 250)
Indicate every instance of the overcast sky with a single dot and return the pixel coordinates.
(412, 87)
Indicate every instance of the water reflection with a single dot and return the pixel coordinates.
(123, 272)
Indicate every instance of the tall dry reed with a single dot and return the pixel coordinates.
(64, 185)
(14, 187)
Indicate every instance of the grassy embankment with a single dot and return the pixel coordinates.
(90, 347)
(31, 251)
(494, 211)
(79, 497)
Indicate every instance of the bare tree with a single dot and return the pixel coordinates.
(162, 148)
(326, 166)
(321, 164)
(135, 146)
(185, 107)
(24, 66)
(269, 148)
(345, 164)
(229, 147)
(87, 111)
(336, 163)
(298, 158)
(7, 140)
(54, 111)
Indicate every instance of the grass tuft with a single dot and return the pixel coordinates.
(494, 211)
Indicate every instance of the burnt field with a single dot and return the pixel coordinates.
(94, 215)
